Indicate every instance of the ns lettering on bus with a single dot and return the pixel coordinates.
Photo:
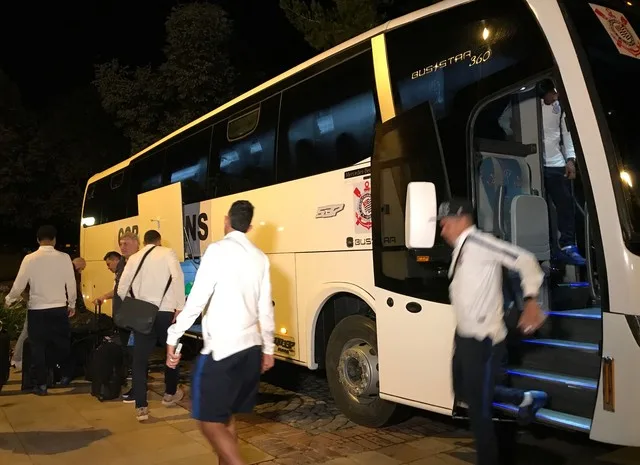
(196, 225)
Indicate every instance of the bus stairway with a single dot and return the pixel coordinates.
(563, 360)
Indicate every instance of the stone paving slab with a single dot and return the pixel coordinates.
(295, 423)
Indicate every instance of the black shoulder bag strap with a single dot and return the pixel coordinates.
(144, 257)
(455, 264)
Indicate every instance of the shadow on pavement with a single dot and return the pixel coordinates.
(54, 442)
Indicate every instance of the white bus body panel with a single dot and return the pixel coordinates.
(622, 425)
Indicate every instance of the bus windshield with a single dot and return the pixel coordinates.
(608, 32)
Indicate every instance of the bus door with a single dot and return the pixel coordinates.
(415, 323)
(161, 209)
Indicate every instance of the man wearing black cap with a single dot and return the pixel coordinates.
(476, 296)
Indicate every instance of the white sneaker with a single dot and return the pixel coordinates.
(170, 400)
(142, 413)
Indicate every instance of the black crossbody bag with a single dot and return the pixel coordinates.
(135, 314)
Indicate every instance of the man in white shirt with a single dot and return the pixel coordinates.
(559, 158)
(477, 299)
(237, 331)
(160, 281)
(52, 299)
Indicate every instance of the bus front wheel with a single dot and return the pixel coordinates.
(353, 372)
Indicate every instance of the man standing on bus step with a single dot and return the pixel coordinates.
(480, 347)
(160, 281)
(237, 330)
(52, 299)
(129, 244)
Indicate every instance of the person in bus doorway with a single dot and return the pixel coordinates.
(559, 167)
(233, 278)
(480, 338)
(158, 280)
(129, 245)
(52, 299)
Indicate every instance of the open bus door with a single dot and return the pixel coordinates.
(161, 209)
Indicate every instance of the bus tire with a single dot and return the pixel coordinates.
(353, 373)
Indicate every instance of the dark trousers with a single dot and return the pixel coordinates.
(558, 189)
(49, 330)
(127, 352)
(143, 346)
(478, 368)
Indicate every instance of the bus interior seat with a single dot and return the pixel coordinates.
(524, 219)
(530, 225)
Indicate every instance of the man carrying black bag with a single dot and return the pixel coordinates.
(476, 274)
(152, 289)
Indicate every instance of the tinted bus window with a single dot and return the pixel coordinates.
(106, 200)
(146, 175)
(246, 160)
(328, 121)
(188, 163)
(456, 60)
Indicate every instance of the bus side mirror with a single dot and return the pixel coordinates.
(421, 215)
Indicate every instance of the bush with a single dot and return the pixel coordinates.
(12, 319)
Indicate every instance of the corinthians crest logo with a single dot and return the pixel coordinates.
(619, 29)
(362, 206)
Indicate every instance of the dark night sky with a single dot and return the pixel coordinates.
(48, 48)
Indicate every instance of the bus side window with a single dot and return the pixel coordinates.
(187, 163)
(114, 205)
(328, 121)
(146, 175)
(244, 147)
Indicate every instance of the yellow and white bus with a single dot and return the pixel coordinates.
(327, 153)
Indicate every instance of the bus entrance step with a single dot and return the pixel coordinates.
(552, 418)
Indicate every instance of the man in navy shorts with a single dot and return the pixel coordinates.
(237, 329)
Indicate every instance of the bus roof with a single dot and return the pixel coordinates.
(408, 18)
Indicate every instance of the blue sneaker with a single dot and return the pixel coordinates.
(527, 413)
(572, 256)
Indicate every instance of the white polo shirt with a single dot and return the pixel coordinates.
(150, 284)
(233, 279)
(476, 288)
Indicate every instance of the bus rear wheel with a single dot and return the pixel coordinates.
(353, 372)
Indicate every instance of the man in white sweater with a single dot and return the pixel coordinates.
(237, 328)
(52, 300)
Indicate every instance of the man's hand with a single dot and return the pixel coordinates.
(98, 301)
(570, 169)
(173, 359)
(71, 312)
(175, 316)
(532, 317)
(267, 362)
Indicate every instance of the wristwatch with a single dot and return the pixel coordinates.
(530, 297)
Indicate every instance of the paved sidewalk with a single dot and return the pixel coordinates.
(70, 426)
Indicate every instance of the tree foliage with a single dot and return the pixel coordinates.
(327, 23)
(196, 76)
(46, 157)
(326, 26)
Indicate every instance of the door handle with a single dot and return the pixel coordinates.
(414, 307)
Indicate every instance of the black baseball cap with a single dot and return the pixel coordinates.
(455, 207)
